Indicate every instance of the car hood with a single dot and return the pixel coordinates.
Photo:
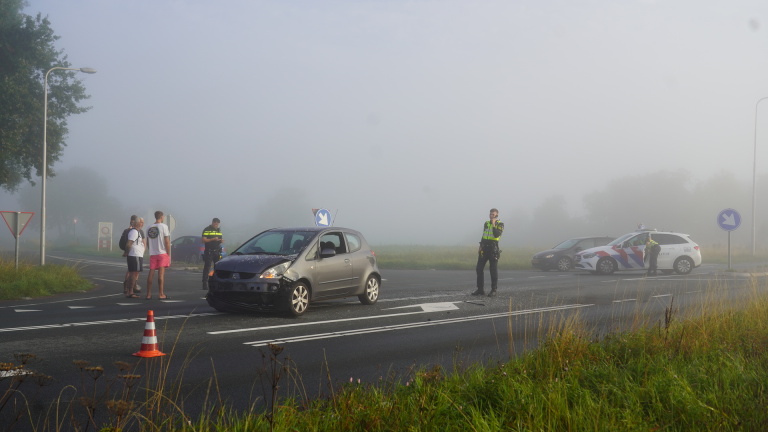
(547, 252)
(251, 263)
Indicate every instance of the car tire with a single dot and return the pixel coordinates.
(298, 299)
(606, 265)
(371, 293)
(564, 264)
(683, 265)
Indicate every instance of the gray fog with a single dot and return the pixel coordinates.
(409, 119)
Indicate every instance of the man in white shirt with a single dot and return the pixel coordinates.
(134, 250)
(159, 241)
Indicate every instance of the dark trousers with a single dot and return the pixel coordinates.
(209, 259)
(482, 258)
(652, 262)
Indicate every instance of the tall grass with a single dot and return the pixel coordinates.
(32, 281)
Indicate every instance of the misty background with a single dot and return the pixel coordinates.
(409, 120)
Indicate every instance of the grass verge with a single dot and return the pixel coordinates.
(33, 281)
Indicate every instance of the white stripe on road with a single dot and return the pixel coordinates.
(88, 323)
(394, 327)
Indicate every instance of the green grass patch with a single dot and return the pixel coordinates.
(33, 281)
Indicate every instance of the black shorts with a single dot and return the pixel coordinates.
(135, 264)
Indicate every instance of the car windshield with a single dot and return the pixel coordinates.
(276, 243)
(566, 244)
(621, 239)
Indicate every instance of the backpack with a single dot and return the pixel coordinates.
(124, 239)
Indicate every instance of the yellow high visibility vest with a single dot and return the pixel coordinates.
(488, 232)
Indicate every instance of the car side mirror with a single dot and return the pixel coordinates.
(327, 253)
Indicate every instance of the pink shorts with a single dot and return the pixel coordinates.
(159, 261)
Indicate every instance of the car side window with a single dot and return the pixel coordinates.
(312, 253)
(334, 240)
(354, 242)
(638, 240)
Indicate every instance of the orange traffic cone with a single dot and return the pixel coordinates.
(149, 341)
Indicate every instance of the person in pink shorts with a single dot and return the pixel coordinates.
(159, 242)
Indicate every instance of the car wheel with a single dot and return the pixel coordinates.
(371, 293)
(683, 265)
(564, 264)
(298, 299)
(606, 265)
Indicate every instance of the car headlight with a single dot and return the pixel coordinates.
(276, 271)
(588, 255)
(549, 256)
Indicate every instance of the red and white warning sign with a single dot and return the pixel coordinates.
(16, 221)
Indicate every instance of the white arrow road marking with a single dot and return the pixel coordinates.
(313, 323)
(431, 307)
(407, 326)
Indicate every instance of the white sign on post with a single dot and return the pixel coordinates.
(104, 239)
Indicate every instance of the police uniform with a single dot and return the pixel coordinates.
(489, 252)
(212, 252)
(652, 249)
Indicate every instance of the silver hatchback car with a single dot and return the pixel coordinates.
(287, 268)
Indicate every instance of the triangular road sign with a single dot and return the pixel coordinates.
(16, 221)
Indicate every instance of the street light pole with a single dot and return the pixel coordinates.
(754, 176)
(45, 151)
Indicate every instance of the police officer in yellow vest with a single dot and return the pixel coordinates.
(652, 250)
(212, 239)
(489, 252)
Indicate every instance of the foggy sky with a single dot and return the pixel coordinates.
(407, 119)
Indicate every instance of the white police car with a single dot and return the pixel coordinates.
(678, 253)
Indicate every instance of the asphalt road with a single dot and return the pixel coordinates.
(423, 318)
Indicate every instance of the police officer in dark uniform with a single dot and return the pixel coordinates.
(212, 239)
(489, 252)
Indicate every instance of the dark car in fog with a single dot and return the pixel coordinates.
(189, 249)
(561, 257)
(285, 269)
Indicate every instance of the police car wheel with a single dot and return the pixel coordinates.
(606, 265)
(683, 265)
(564, 264)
